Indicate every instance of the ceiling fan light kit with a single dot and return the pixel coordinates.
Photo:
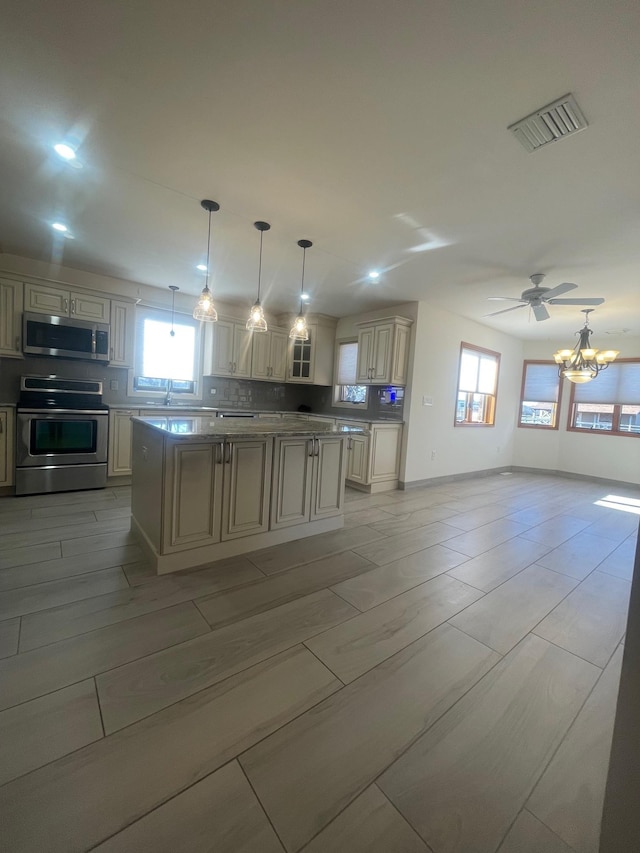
(583, 362)
(205, 310)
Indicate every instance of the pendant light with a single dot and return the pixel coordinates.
(299, 330)
(205, 309)
(256, 321)
(173, 288)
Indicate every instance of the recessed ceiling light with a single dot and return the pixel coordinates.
(305, 297)
(65, 151)
(202, 267)
(617, 331)
(374, 275)
(60, 226)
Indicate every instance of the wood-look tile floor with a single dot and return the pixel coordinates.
(440, 676)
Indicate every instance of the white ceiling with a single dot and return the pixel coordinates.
(376, 129)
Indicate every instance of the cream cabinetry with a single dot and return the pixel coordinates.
(41, 299)
(373, 461)
(119, 457)
(247, 484)
(311, 362)
(7, 444)
(122, 333)
(11, 301)
(269, 355)
(228, 349)
(383, 351)
(308, 480)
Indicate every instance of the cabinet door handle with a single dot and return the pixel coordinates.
(349, 443)
(73, 306)
(310, 447)
(229, 450)
(218, 454)
(17, 343)
(317, 443)
(66, 306)
(234, 366)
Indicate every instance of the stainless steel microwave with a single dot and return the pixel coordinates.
(64, 337)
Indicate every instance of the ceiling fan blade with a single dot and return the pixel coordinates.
(540, 312)
(575, 301)
(560, 289)
(504, 310)
(504, 299)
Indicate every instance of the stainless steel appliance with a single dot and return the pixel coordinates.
(61, 436)
(65, 337)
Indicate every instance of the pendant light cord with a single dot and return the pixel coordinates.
(206, 281)
(304, 256)
(260, 265)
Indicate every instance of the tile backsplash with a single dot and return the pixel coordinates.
(383, 402)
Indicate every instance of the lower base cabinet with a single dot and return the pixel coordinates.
(308, 480)
(7, 442)
(373, 461)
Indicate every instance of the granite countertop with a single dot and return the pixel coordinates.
(196, 408)
(189, 429)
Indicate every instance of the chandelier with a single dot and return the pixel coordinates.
(583, 363)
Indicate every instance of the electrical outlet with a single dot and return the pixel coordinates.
(213, 392)
(433, 455)
(427, 401)
(113, 385)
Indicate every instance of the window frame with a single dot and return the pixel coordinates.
(617, 409)
(335, 397)
(464, 345)
(179, 317)
(558, 403)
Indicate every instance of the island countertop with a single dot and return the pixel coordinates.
(199, 428)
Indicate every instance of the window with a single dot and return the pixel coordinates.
(540, 395)
(477, 386)
(164, 362)
(346, 391)
(610, 403)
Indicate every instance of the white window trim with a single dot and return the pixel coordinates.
(336, 402)
(154, 396)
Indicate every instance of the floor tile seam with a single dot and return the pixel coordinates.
(62, 577)
(552, 831)
(94, 549)
(300, 644)
(261, 805)
(314, 559)
(346, 600)
(111, 625)
(562, 648)
(57, 538)
(4, 552)
(428, 848)
(482, 643)
(325, 665)
(478, 526)
(99, 704)
(72, 601)
(480, 553)
(506, 580)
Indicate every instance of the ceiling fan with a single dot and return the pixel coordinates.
(537, 296)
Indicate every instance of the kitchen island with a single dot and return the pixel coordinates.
(204, 489)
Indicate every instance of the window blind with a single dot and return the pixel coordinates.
(541, 383)
(347, 364)
(619, 383)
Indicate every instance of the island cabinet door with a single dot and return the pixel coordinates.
(292, 474)
(193, 495)
(358, 458)
(329, 475)
(246, 487)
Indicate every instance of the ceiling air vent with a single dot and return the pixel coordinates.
(556, 121)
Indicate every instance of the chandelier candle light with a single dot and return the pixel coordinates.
(205, 309)
(257, 321)
(299, 330)
(583, 363)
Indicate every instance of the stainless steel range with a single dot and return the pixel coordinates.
(61, 436)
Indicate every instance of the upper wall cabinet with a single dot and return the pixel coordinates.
(383, 351)
(269, 355)
(66, 303)
(227, 349)
(11, 318)
(122, 333)
(311, 361)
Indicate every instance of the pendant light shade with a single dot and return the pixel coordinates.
(205, 309)
(299, 330)
(257, 321)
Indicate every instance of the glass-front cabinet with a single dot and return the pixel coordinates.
(301, 359)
